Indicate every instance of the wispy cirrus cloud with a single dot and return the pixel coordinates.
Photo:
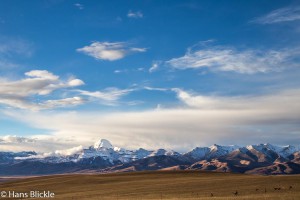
(12, 47)
(71, 101)
(109, 51)
(79, 6)
(244, 61)
(137, 14)
(7, 64)
(108, 96)
(287, 14)
(119, 71)
(156, 89)
(154, 67)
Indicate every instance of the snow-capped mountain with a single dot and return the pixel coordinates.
(104, 156)
(198, 153)
(105, 149)
(284, 151)
(214, 151)
(9, 157)
(103, 143)
(102, 148)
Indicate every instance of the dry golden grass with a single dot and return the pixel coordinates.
(162, 185)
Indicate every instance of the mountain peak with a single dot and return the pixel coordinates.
(228, 147)
(103, 143)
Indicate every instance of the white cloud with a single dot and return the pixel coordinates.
(138, 49)
(286, 14)
(118, 71)
(38, 143)
(247, 61)
(68, 152)
(33, 92)
(109, 51)
(198, 101)
(156, 89)
(266, 102)
(154, 67)
(203, 121)
(137, 14)
(42, 74)
(37, 82)
(108, 96)
(75, 82)
(79, 6)
(56, 153)
(73, 101)
(15, 139)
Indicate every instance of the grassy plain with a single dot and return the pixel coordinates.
(161, 185)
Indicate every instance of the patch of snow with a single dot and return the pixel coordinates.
(103, 143)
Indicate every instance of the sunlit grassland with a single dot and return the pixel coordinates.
(162, 185)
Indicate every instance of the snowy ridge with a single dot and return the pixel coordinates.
(104, 149)
(283, 151)
(213, 151)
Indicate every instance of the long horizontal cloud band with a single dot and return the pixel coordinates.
(205, 121)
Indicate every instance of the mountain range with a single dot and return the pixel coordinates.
(103, 157)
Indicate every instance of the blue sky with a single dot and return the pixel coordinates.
(166, 73)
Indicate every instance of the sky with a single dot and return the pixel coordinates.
(152, 74)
